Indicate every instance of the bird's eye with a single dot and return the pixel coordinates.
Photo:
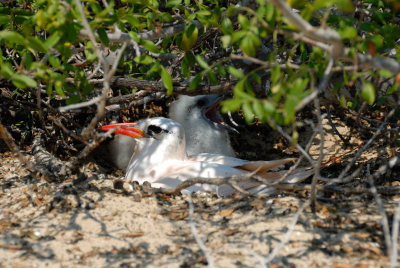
(201, 102)
(152, 129)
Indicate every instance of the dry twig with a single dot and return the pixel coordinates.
(384, 220)
(288, 233)
(196, 234)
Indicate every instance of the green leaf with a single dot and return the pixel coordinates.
(49, 89)
(54, 61)
(348, 32)
(23, 81)
(269, 11)
(59, 89)
(73, 99)
(231, 11)
(344, 5)
(226, 26)
(269, 108)
(173, 3)
(275, 74)
(167, 80)
(236, 36)
(259, 110)
(221, 70)
(212, 77)
(368, 92)
(195, 81)
(144, 59)
(226, 40)
(52, 40)
(189, 37)
(150, 46)
(36, 44)
(320, 4)
(6, 70)
(12, 37)
(185, 68)
(385, 73)
(4, 19)
(247, 46)
(235, 72)
(248, 112)
(244, 22)
(231, 105)
(201, 62)
(27, 60)
(103, 36)
(134, 37)
(392, 90)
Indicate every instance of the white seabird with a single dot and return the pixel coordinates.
(205, 130)
(202, 123)
(160, 158)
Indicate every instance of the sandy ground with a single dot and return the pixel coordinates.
(91, 224)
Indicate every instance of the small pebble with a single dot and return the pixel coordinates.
(118, 184)
(137, 196)
(146, 187)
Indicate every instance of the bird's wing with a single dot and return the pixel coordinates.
(263, 166)
(176, 172)
(296, 176)
(217, 159)
(252, 166)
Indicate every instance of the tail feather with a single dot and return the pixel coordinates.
(263, 166)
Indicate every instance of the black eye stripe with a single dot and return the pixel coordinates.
(153, 129)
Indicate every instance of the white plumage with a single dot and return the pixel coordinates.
(160, 158)
(205, 130)
(201, 121)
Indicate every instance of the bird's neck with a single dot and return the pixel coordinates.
(152, 154)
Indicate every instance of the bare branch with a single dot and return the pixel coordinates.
(395, 237)
(287, 136)
(118, 37)
(326, 35)
(7, 138)
(384, 220)
(321, 88)
(368, 143)
(288, 233)
(332, 37)
(179, 87)
(196, 234)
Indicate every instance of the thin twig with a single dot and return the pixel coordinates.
(120, 37)
(321, 88)
(384, 220)
(368, 143)
(179, 87)
(328, 111)
(317, 165)
(196, 234)
(287, 136)
(7, 138)
(395, 237)
(288, 233)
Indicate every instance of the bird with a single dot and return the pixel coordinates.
(205, 130)
(160, 157)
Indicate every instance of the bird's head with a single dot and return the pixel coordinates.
(158, 128)
(191, 109)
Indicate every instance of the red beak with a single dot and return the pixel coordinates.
(125, 129)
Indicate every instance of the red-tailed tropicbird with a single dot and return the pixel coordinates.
(202, 123)
(160, 158)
